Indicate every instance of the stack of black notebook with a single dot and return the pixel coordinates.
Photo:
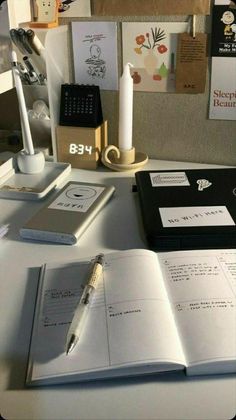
(188, 209)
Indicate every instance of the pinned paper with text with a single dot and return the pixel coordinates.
(191, 64)
(223, 73)
(95, 54)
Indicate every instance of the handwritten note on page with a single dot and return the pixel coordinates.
(202, 288)
(130, 321)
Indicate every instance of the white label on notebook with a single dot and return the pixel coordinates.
(169, 179)
(195, 216)
(76, 198)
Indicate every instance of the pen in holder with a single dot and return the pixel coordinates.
(123, 160)
(28, 161)
(124, 157)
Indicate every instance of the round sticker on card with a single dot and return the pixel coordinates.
(77, 198)
(80, 193)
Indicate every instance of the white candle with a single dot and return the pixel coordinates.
(126, 109)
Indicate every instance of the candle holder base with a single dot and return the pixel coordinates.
(123, 160)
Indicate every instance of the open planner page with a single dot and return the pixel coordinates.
(202, 288)
(130, 322)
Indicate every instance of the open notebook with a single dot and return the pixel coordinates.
(151, 313)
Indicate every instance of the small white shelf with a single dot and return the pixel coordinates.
(19, 11)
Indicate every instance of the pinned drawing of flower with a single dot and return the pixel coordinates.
(140, 39)
(151, 43)
(161, 49)
(145, 41)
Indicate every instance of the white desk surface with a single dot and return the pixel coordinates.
(161, 396)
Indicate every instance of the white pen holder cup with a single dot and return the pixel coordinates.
(30, 164)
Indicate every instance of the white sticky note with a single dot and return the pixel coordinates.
(195, 216)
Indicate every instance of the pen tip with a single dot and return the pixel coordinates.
(100, 259)
(71, 344)
(68, 350)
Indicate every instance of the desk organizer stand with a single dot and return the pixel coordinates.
(19, 186)
(123, 160)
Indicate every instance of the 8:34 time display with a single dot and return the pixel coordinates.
(80, 149)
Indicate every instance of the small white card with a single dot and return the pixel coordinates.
(195, 216)
(76, 198)
(95, 54)
(169, 179)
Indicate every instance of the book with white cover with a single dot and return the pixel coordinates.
(150, 313)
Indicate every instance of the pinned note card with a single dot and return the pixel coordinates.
(95, 54)
(191, 66)
(151, 47)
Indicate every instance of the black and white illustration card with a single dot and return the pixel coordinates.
(223, 42)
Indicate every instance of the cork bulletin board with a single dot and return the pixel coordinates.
(150, 7)
(166, 126)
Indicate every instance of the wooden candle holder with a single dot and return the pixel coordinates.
(123, 160)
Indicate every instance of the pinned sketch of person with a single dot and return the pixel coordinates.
(96, 66)
(228, 19)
